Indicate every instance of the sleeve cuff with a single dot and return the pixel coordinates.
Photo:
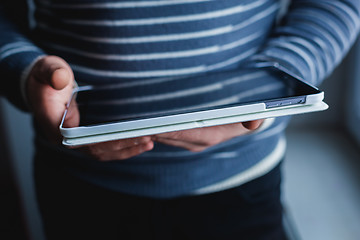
(24, 77)
(15, 69)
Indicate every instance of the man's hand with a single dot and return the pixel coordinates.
(119, 149)
(49, 87)
(199, 139)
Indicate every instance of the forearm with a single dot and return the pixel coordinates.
(314, 38)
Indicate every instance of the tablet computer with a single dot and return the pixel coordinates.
(299, 98)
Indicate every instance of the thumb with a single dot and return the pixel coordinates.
(54, 71)
(48, 89)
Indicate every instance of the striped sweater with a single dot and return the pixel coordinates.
(176, 54)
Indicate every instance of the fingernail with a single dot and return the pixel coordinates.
(148, 146)
(60, 78)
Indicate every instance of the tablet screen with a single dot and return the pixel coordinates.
(130, 101)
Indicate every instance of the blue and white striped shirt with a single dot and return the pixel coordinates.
(176, 54)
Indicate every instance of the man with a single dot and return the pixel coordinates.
(220, 182)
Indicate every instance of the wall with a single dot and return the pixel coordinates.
(353, 97)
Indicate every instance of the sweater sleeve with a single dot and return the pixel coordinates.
(312, 39)
(17, 51)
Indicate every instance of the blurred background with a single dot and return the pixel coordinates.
(321, 172)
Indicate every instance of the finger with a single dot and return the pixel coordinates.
(60, 78)
(125, 153)
(54, 71)
(182, 144)
(202, 137)
(253, 125)
(72, 118)
(192, 135)
(53, 107)
(117, 145)
(206, 136)
(230, 131)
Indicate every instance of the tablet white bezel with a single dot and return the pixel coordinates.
(268, 113)
(177, 118)
(204, 118)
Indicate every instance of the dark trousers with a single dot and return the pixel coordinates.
(73, 209)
